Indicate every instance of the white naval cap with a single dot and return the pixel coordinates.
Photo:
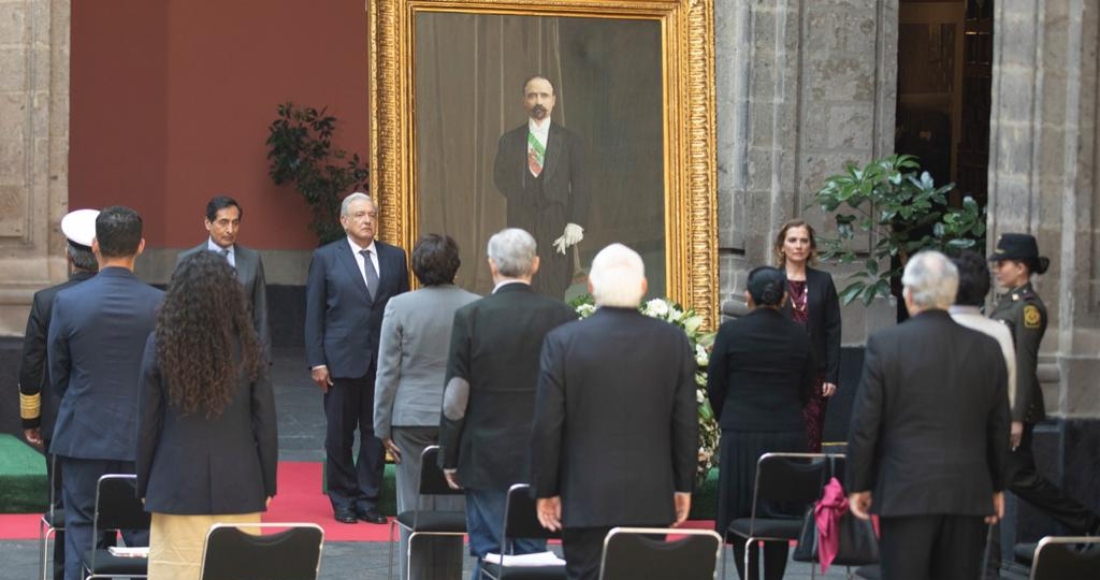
(79, 226)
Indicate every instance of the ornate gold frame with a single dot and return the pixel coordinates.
(691, 257)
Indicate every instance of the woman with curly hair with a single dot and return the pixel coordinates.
(207, 443)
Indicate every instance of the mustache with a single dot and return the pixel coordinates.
(538, 109)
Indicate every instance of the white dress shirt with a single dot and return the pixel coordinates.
(231, 256)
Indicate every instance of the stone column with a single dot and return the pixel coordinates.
(34, 149)
(803, 87)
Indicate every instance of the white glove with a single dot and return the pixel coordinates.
(572, 236)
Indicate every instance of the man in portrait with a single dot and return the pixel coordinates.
(96, 339)
(539, 168)
(223, 221)
(350, 281)
(593, 469)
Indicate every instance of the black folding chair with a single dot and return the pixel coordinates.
(631, 553)
(294, 553)
(793, 478)
(1066, 558)
(521, 522)
(420, 522)
(52, 521)
(117, 508)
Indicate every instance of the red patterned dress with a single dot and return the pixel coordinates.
(813, 413)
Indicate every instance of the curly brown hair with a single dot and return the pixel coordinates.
(203, 320)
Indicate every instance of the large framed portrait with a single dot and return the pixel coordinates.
(584, 122)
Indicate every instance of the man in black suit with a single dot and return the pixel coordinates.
(96, 337)
(616, 432)
(489, 393)
(928, 446)
(539, 167)
(349, 283)
(37, 401)
(223, 221)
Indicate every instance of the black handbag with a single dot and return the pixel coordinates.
(857, 544)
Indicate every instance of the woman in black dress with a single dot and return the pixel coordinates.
(760, 375)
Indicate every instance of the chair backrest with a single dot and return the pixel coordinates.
(631, 553)
(231, 553)
(790, 477)
(1066, 557)
(521, 519)
(432, 480)
(117, 506)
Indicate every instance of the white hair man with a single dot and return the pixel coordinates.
(593, 469)
(928, 444)
(489, 393)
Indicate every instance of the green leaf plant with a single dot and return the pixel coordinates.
(902, 211)
(300, 149)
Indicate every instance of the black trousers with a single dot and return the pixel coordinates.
(583, 550)
(1029, 485)
(349, 405)
(944, 547)
(775, 559)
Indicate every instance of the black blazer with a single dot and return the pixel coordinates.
(96, 337)
(824, 322)
(343, 325)
(195, 465)
(930, 422)
(495, 347)
(616, 427)
(34, 377)
(762, 366)
(564, 179)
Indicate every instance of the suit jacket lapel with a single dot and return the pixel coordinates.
(554, 147)
(345, 256)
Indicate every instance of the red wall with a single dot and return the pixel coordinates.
(170, 103)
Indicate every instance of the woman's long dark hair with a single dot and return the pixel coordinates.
(205, 318)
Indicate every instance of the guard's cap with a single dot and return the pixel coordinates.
(79, 226)
(1015, 247)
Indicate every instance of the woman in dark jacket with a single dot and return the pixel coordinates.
(813, 303)
(760, 374)
(207, 444)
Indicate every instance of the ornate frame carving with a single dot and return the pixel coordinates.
(691, 256)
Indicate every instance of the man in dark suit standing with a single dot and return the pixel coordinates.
(928, 445)
(539, 167)
(96, 338)
(489, 393)
(349, 283)
(37, 401)
(223, 221)
(616, 432)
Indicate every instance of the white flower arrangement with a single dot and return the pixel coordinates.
(701, 343)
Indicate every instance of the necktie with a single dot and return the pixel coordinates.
(371, 274)
(536, 154)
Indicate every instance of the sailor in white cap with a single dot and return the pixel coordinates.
(37, 403)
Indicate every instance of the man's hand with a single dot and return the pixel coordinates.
(549, 512)
(452, 478)
(998, 508)
(572, 236)
(392, 448)
(828, 389)
(34, 436)
(683, 507)
(1016, 434)
(860, 504)
(320, 376)
(267, 502)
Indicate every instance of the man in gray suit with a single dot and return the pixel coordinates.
(412, 360)
(223, 221)
(96, 339)
(489, 397)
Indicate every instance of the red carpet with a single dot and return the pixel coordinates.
(299, 500)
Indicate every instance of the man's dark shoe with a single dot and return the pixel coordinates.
(371, 515)
(346, 516)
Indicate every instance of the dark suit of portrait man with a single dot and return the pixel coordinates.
(616, 433)
(489, 392)
(349, 283)
(540, 169)
(37, 401)
(96, 338)
(929, 438)
(223, 221)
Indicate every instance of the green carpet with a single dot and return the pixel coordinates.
(22, 477)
